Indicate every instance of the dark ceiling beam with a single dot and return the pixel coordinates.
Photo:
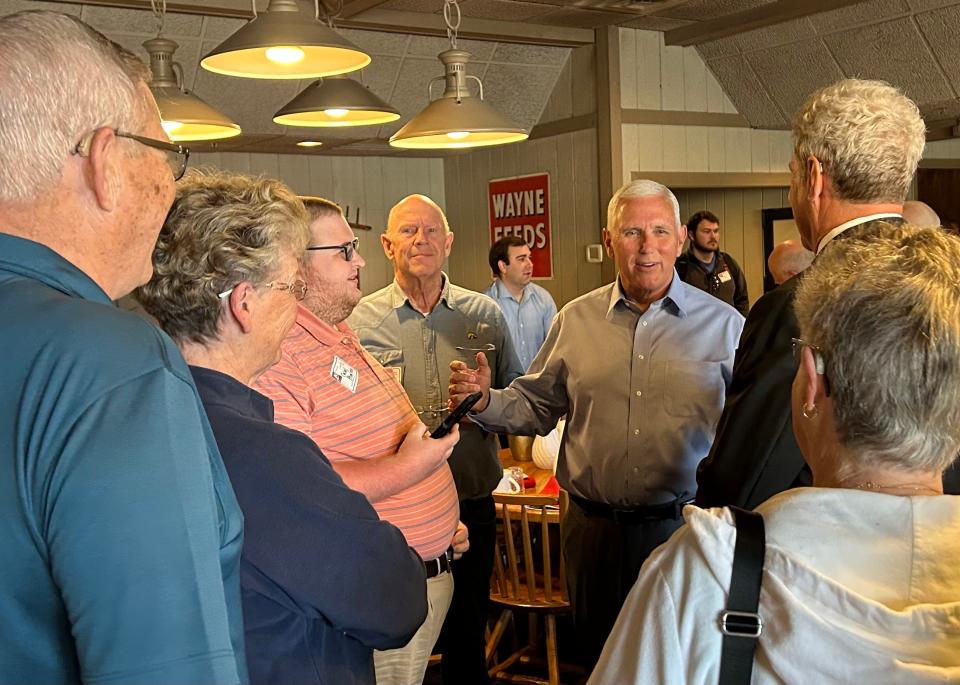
(748, 20)
(375, 19)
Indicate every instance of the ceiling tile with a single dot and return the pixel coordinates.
(746, 92)
(380, 76)
(895, 52)
(921, 5)
(220, 28)
(506, 10)
(107, 19)
(857, 15)
(377, 42)
(578, 18)
(792, 72)
(936, 111)
(722, 47)
(410, 91)
(519, 92)
(941, 28)
(779, 34)
(517, 53)
(413, 5)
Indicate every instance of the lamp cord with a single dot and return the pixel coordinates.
(449, 8)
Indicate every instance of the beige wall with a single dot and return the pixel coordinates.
(741, 227)
(372, 183)
(571, 161)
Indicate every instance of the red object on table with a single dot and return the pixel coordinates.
(551, 487)
(529, 482)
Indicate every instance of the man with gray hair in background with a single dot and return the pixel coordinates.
(641, 411)
(856, 146)
(121, 533)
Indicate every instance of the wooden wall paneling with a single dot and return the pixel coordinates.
(737, 149)
(264, 164)
(781, 150)
(671, 76)
(648, 69)
(694, 81)
(321, 177)
(631, 150)
(674, 144)
(753, 244)
(717, 149)
(583, 80)
(205, 160)
(715, 202)
(649, 148)
(629, 69)
(587, 229)
(563, 235)
(560, 104)
(476, 270)
(760, 150)
(732, 229)
(717, 100)
(568, 210)
(698, 148)
(378, 271)
(461, 229)
(294, 170)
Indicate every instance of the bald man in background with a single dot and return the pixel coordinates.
(788, 259)
(920, 214)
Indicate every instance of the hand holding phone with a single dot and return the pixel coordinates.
(454, 417)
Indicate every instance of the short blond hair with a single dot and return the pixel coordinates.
(222, 229)
(867, 134)
(318, 207)
(883, 304)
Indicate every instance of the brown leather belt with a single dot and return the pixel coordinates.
(652, 512)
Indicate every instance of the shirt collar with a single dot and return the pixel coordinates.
(502, 291)
(321, 331)
(850, 224)
(219, 388)
(399, 298)
(674, 301)
(39, 262)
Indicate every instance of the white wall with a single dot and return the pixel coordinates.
(373, 184)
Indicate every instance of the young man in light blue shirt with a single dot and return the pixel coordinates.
(528, 308)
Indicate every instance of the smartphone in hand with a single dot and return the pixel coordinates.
(454, 417)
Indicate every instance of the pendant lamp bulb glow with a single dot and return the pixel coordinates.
(456, 119)
(184, 116)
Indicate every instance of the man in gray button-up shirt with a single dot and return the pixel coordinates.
(416, 326)
(640, 368)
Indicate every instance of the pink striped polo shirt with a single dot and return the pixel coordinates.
(364, 422)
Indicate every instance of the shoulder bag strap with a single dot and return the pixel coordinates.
(740, 623)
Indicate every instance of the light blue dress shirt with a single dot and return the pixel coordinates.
(528, 320)
(642, 392)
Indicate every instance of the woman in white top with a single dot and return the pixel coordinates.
(861, 580)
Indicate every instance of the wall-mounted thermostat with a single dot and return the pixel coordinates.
(594, 253)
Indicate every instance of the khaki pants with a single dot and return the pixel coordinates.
(407, 665)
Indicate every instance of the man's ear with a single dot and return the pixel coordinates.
(608, 242)
(681, 238)
(502, 266)
(814, 177)
(239, 304)
(448, 243)
(387, 245)
(102, 168)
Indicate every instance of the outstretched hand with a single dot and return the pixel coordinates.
(465, 381)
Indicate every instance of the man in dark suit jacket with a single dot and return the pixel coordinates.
(856, 148)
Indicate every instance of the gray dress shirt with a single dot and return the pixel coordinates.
(642, 392)
(419, 348)
(529, 320)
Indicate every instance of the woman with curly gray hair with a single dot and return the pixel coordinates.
(861, 574)
(324, 581)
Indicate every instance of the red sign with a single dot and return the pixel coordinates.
(520, 206)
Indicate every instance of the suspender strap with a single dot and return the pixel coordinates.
(740, 623)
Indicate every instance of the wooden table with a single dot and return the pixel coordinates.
(529, 467)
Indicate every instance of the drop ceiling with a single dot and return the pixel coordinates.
(766, 54)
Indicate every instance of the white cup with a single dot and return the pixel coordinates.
(508, 484)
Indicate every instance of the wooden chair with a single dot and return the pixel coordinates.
(521, 584)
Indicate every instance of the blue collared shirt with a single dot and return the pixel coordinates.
(120, 532)
(642, 392)
(528, 320)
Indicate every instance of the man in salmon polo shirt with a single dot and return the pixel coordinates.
(328, 387)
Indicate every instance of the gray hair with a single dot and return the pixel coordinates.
(59, 80)
(223, 229)
(883, 304)
(635, 189)
(867, 134)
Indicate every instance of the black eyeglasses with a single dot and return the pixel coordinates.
(347, 249)
(177, 155)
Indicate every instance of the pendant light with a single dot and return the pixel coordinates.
(457, 119)
(336, 101)
(183, 115)
(285, 43)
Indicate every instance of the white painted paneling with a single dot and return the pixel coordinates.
(674, 148)
(373, 184)
(698, 148)
(629, 69)
(694, 81)
(671, 77)
(648, 68)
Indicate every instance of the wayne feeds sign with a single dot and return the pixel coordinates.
(520, 206)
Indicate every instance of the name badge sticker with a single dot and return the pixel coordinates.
(345, 374)
(724, 276)
(397, 372)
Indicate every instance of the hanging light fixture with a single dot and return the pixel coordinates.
(456, 119)
(183, 115)
(284, 43)
(336, 101)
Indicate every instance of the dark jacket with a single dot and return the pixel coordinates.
(754, 454)
(732, 290)
(324, 580)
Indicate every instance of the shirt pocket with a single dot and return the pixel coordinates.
(694, 389)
